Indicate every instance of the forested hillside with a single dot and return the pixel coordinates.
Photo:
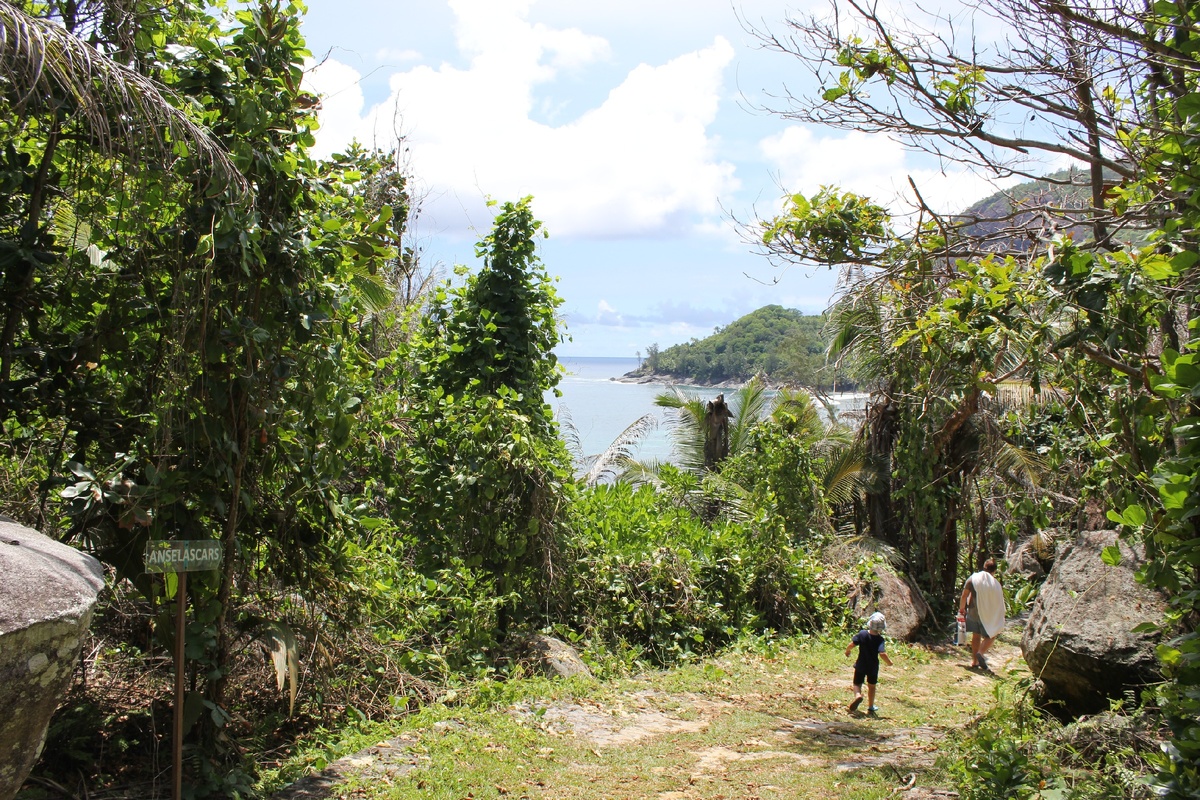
(779, 344)
(1016, 219)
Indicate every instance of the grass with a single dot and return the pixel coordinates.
(765, 722)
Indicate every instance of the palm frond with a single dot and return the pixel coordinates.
(76, 235)
(43, 66)
(1012, 460)
(374, 292)
(686, 420)
(621, 449)
(796, 411)
(872, 546)
(847, 475)
(736, 502)
(861, 334)
(638, 473)
(750, 404)
(570, 434)
(1016, 395)
(1042, 542)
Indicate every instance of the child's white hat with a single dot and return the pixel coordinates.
(877, 624)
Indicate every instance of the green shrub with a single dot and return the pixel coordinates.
(649, 573)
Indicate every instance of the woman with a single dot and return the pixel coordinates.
(982, 604)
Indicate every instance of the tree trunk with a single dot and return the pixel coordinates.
(882, 522)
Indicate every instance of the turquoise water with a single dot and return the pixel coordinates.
(601, 408)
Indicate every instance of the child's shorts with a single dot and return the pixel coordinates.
(872, 675)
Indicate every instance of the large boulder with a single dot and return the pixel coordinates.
(898, 599)
(545, 655)
(1079, 640)
(47, 592)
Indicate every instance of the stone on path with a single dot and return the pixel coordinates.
(552, 657)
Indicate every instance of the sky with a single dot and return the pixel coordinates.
(636, 128)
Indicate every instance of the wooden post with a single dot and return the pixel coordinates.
(180, 557)
(180, 634)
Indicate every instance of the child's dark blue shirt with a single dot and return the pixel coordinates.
(870, 645)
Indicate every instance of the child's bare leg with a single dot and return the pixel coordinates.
(870, 695)
(857, 701)
(975, 645)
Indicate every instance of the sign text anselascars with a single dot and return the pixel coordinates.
(183, 556)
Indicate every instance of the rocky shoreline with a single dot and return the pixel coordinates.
(679, 380)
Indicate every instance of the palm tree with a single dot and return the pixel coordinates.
(928, 409)
(706, 433)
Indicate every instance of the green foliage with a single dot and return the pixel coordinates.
(650, 574)
(830, 228)
(1102, 325)
(438, 627)
(1013, 751)
(1169, 531)
(499, 331)
(180, 353)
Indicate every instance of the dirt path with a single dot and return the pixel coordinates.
(734, 727)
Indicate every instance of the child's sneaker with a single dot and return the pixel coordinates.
(855, 703)
(873, 710)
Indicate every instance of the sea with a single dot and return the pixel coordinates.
(601, 407)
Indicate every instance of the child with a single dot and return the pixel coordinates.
(870, 650)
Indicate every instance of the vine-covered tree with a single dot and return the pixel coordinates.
(489, 470)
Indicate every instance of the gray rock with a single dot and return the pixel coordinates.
(1079, 640)
(553, 657)
(900, 601)
(47, 594)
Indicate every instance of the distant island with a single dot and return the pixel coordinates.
(780, 345)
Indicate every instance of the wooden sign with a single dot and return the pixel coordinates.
(183, 556)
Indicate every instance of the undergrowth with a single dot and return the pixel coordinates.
(1017, 751)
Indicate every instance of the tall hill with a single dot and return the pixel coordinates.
(780, 344)
(1010, 221)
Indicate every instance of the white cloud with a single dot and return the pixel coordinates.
(872, 165)
(608, 315)
(392, 55)
(640, 163)
(341, 103)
